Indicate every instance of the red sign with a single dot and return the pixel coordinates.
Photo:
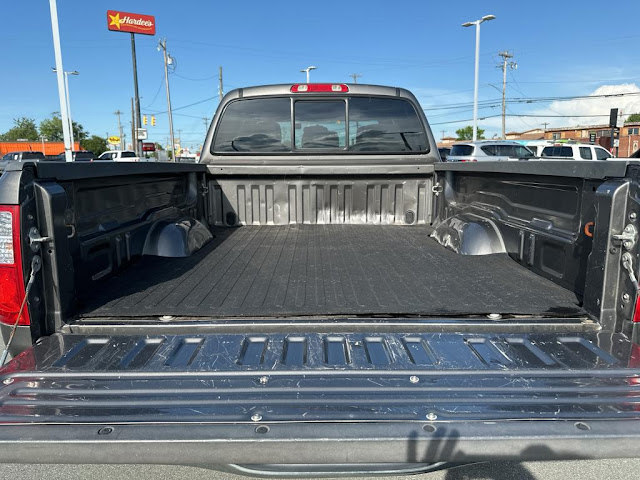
(131, 22)
(148, 147)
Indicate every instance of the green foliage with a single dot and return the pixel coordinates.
(23, 129)
(634, 117)
(51, 128)
(95, 144)
(466, 133)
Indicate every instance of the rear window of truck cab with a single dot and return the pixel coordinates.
(281, 125)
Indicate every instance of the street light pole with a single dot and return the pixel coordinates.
(477, 23)
(307, 70)
(66, 88)
(68, 147)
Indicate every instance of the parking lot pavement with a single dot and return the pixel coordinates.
(576, 470)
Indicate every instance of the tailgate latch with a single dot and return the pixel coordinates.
(35, 239)
(628, 237)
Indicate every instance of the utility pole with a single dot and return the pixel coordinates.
(544, 124)
(506, 63)
(167, 58)
(134, 137)
(206, 124)
(443, 132)
(118, 113)
(220, 82)
(355, 77)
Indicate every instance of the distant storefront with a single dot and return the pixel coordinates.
(48, 148)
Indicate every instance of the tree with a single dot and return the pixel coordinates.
(466, 133)
(95, 144)
(51, 128)
(634, 117)
(23, 129)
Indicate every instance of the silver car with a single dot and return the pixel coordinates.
(489, 151)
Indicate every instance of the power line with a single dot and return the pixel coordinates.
(523, 115)
(157, 92)
(194, 79)
(189, 105)
(497, 102)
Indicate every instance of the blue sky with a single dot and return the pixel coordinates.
(562, 49)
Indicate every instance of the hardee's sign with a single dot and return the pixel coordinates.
(131, 22)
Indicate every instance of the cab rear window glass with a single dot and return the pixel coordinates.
(461, 150)
(320, 124)
(255, 125)
(375, 124)
(385, 125)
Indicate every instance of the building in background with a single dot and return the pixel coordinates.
(48, 148)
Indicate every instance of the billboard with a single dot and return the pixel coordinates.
(131, 22)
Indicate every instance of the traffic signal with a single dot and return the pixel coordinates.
(153, 121)
(144, 119)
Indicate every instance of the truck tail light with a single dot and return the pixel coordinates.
(319, 87)
(469, 160)
(12, 289)
(636, 311)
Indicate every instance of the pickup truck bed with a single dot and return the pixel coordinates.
(291, 302)
(303, 270)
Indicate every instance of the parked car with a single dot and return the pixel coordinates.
(318, 299)
(78, 156)
(572, 151)
(489, 151)
(119, 156)
(444, 153)
(22, 156)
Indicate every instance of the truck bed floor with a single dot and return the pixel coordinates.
(326, 270)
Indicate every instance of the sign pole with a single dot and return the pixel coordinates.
(133, 23)
(136, 143)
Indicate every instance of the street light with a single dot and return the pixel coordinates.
(477, 23)
(307, 70)
(66, 88)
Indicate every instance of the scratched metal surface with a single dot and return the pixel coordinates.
(326, 270)
(319, 377)
(321, 200)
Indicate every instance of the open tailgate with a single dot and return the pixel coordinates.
(320, 398)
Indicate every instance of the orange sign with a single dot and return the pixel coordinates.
(131, 22)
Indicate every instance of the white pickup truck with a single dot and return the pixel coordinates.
(120, 156)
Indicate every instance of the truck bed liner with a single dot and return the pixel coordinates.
(301, 270)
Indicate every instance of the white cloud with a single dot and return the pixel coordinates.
(575, 109)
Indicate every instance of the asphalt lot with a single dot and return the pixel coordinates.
(575, 470)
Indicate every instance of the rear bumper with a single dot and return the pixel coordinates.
(328, 443)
